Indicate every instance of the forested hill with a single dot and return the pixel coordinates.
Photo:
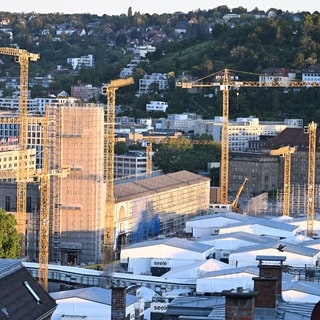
(195, 43)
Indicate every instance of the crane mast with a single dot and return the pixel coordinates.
(224, 165)
(22, 57)
(108, 239)
(286, 153)
(44, 208)
(312, 130)
(148, 145)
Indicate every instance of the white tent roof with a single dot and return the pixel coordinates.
(167, 248)
(218, 281)
(93, 302)
(196, 270)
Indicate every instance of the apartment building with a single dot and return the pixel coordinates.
(179, 122)
(36, 105)
(81, 62)
(159, 81)
(157, 106)
(85, 92)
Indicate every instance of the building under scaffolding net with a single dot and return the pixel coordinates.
(258, 205)
(159, 204)
(77, 138)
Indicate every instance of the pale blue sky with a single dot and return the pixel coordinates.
(117, 7)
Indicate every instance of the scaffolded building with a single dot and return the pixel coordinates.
(143, 208)
(78, 199)
(158, 205)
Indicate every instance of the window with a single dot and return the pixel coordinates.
(7, 206)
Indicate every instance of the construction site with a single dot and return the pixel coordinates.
(58, 180)
(75, 212)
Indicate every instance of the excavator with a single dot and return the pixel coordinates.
(231, 206)
(234, 204)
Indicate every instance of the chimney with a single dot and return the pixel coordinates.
(272, 270)
(240, 304)
(267, 292)
(118, 303)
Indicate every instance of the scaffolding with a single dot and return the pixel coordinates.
(77, 220)
(161, 204)
(298, 199)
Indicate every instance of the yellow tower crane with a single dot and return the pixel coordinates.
(312, 131)
(225, 85)
(108, 240)
(286, 153)
(22, 57)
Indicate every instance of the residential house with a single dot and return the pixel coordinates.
(311, 74)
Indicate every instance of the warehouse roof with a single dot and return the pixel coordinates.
(143, 187)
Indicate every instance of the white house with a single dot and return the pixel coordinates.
(83, 61)
(157, 106)
(312, 74)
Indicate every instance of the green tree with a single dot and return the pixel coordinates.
(9, 238)
(121, 147)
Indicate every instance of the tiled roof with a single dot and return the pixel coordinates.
(21, 296)
(294, 137)
(129, 190)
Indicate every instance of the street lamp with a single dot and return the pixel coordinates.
(237, 100)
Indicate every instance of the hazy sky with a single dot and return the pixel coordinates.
(116, 7)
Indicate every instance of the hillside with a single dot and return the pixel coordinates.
(249, 41)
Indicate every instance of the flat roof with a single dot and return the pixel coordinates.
(271, 258)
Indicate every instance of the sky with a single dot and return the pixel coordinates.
(116, 7)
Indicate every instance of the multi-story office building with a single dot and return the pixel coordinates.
(130, 164)
(242, 131)
(36, 105)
